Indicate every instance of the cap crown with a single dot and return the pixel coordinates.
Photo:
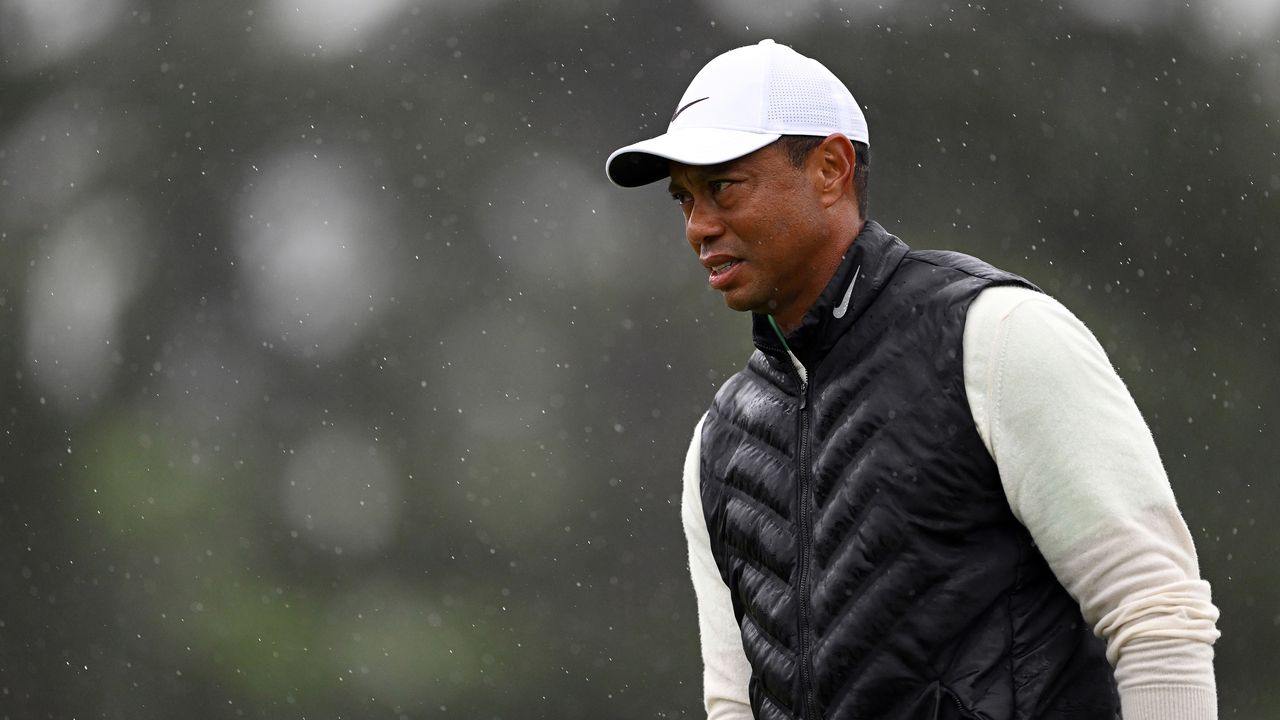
(769, 88)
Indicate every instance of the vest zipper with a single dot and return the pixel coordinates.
(964, 713)
(803, 470)
(806, 549)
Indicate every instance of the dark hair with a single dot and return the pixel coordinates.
(798, 147)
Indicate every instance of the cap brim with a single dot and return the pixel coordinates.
(647, 161)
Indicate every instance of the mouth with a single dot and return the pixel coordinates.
(721, 275)
(718, 269)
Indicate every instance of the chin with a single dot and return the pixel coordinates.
(744, 304)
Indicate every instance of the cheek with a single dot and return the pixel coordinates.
(787, 249)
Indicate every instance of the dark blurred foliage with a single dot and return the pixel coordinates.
(342, 384)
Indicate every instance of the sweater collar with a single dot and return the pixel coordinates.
(867, 266)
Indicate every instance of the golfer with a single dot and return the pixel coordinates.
(928, 494)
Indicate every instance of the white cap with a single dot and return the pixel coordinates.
(739, 102)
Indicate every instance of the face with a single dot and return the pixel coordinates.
(756, 224)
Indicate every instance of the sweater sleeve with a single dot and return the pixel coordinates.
(725, 671)
(1081, 472)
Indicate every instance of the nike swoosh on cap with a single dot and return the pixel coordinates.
(686, 107)
(843, 307)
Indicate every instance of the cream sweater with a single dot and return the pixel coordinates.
(1081, 472)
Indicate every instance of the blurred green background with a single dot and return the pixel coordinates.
(341, 384)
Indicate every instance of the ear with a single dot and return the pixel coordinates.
(832, 165)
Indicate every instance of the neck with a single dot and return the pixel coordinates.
(824, 268)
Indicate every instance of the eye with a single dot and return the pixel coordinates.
(718, 186)
(681, 197)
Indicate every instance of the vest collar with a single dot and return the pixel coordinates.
(865, 270)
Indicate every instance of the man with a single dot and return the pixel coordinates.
(927, 495)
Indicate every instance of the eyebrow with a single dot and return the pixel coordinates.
(705, 170)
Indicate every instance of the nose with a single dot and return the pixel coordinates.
(702, 224)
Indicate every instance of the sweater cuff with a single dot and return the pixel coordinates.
(1169, 702)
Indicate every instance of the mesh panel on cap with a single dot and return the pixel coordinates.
(800, 101)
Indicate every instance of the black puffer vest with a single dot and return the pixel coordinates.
(875, 567)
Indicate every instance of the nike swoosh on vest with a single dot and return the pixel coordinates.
(843, 307)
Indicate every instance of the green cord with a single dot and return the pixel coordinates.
(778, 330)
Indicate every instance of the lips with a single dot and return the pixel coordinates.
(721, 269)
(718, 262)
